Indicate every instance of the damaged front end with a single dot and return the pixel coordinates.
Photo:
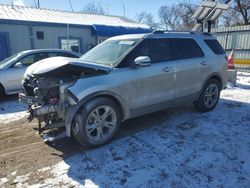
(46, 100)
(46, 94)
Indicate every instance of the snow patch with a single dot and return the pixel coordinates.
(3, 181)
(44, 169)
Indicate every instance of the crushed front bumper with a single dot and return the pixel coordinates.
(30, 100)
(40, 112)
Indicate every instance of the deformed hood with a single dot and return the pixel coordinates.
(48, 65)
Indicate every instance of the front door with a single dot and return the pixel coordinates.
(3, 47)
(153, 85)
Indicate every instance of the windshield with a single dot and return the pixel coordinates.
(6, 61)
(109, 52)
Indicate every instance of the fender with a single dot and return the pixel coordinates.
(72, 110)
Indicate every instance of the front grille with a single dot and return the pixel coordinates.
(54, 92)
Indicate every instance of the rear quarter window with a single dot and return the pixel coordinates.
(215, 46)
(185, 48)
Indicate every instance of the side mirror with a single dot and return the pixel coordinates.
(18, 65)
(142, 61)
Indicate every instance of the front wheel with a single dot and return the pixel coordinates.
(97, 122)
(209, 97)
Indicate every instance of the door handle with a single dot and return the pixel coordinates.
(166, 69)
(204, 63)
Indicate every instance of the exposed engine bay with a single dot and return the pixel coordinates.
(47, 96)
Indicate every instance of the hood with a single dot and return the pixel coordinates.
(50, 65)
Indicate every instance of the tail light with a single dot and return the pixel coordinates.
(230, 60)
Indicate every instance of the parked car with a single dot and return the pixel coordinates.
(13, 68)
(125, 77)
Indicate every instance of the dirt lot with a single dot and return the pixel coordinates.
(24, 151)
(173, 148)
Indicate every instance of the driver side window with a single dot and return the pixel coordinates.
(158, 50)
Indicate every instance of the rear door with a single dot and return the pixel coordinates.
(190, 66)
(152, 85)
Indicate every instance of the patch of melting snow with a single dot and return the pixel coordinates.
(13, 173)
(48, 137)
(44, 169)
(19, 181)
(3, 181)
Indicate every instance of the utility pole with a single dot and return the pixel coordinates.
(209, 24)
(124, 9)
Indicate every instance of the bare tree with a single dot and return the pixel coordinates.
(238, 12)
(147, 18)
(177, 17)
(244, 8)
(94, 8)
(231, 17)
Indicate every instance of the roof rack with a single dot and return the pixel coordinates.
(180, 31)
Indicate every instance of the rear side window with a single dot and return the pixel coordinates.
(185, 48)
(215, 46)
(30, 59)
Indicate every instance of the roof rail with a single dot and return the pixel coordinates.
(180, 31)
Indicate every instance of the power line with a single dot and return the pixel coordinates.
(71, 6)
(35, 3)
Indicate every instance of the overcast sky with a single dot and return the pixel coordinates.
(114, 7)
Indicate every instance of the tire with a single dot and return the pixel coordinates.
(209, 96)
(91, 127)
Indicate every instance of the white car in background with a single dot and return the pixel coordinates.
(13, 68)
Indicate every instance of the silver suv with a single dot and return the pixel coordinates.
(125, 77)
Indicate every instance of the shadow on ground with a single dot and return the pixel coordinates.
(10, 104)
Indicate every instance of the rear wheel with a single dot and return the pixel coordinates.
(209, 97)
(97, 122)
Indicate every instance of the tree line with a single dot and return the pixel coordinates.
(178, 16)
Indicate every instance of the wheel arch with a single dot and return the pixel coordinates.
(215, 76)
(2, 88)
(218, 78)
(74, 109)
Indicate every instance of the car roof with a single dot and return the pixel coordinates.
(48, 50)
(165, 34)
